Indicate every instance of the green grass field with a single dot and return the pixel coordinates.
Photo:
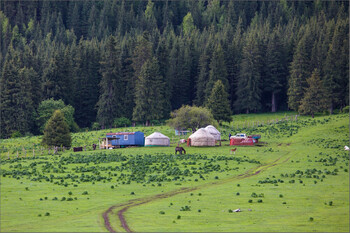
(297, 182)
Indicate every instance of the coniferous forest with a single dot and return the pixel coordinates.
(140, 60)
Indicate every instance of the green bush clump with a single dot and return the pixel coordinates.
(132, 193)
(63, 199)
(69, 199)
(250, 200)
(186, 208)
(260, 201)
(311, 219)
(281, 196)
(47, 214)
(237, 194)
(85, 193)
(70, 193)
(161, 212)
(179, 217)
(230, 211)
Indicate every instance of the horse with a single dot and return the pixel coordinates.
(180, 149)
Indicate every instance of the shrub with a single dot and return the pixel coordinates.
(281, 195)
(199, 211)
(112, 187)
(161, 212)
(69, 199)
(250, 200)
(47, 214)
(311, 219)
(132, 193)
(85, 193)
(284, 203)
(121, 122)
(63, 199)
(230, 211)
(330, 203)
(95, 126)
(237, 194)
(260, 201)
(70, 193)
(179, 217)
(345, 109)
(16, 134)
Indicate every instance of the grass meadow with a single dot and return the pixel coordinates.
(297, 182)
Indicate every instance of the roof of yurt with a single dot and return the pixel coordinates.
(157, 139)
(213, 131)
(202, 138)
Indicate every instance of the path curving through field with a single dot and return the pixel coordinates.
(122, 208)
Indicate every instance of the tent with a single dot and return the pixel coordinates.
(202, 138)
(213, 131)
(157, 139)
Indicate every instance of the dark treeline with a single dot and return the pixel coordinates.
(142, 59)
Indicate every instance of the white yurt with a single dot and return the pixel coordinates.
(202, 138)
(157, 139)
(213, 131)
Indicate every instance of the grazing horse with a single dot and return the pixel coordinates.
(179, 149)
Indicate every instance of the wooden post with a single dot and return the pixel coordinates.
(25, 153)
(84, 147)
(41, 151)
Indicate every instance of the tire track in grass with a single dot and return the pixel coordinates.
(122, 208)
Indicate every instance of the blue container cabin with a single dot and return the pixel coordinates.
(124, 139)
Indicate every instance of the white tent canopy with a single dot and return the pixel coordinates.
(157, 139)
(213, 131)
(202, 138)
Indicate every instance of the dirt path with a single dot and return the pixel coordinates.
(122, 208)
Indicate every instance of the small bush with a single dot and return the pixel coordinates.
(179, 217)
(112, 187)
(161, 212)
(70, 193)
(132, 193)
(199, 211)
(345, 109)
(230, 211)
(311, 219)
(260, 201)
(281, 196)
(121, 122)
(330, 203)
(284, 203)
(47, 214)
(63, 199)
(85, 193)
(39, 215)
(250, 200)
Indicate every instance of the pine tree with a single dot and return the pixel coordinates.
(217, 71)
(218, 103)
(149, 93)
(109, 102)
(299, 71)
(248, 90)
(276, 69)
(315, 98)
(56, 132)
(16, 103)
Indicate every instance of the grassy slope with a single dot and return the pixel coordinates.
(303, 202)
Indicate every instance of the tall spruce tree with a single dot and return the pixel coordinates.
(299, 71)
(219, 103)
(276, 69)
(315, 98)
(56, 132)
(109, 103)
(16, 103)
(248, 90)
(149, 93)
(217, 70)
